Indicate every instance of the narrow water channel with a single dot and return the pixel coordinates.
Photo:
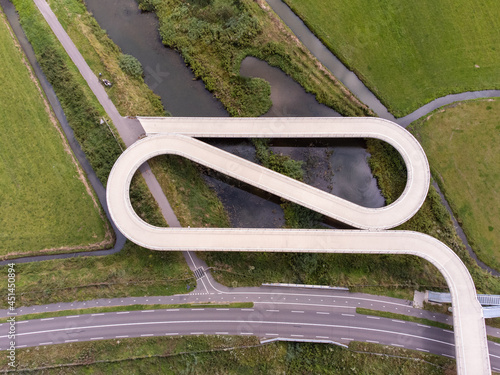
(343, 172)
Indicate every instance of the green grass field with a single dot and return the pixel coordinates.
(410, 52)
(461, 142)
(44, 203)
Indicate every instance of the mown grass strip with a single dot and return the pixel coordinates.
(461, 143)
(409, 53)
(407, 318)
(46, 200)
(93, 310)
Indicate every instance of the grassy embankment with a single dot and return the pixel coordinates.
(409, 53)
(47, 204)
(225, 355)
(134, 271)
(461, 142)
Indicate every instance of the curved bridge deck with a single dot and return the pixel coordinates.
(173, 136)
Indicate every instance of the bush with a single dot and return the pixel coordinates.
(131, 66)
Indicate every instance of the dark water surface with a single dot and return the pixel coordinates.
(340, 166)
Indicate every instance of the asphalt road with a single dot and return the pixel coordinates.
(267, 321)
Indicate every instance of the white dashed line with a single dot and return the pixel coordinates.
(123, 312)
(121, 337)
(299, 312)
(96, 338)
(222, 309)
(72, 316)
(445, 330)
(346, 338)
(222, 333)
(347, 315)
(297, 335)
(423, 350)
(374, 342)
(246, 333)
(322, 337)
(171, 334)
(96, 314)
(71, 340)
(45, 343)
(400, 346)
(273, 310)
(323, 313)
(398, 321)
(197, 333)
(424, 326)
(147, 311)
(447, 355)
(47, 319)
(147, 334)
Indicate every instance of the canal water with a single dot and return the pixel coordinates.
(339, 167)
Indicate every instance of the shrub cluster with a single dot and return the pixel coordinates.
(131, 66)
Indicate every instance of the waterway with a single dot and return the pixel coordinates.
(167, 75)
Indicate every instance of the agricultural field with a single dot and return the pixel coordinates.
(409, 52)
(46, 202)
(461, 142)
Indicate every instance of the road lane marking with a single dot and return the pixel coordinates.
(147, 334)
(347, 315)
(47, 319)
(123, 312)
(346, 338)
(297, 335)
(20, 346)
(323, 313)
(172, 309)
(374, 342)
(400, 346)
(96, 314)
(423, 350)
(230, 322)
(222, 333)
(72, 316)
(449, 356)
(372, 317)
(247, 310)
(45, 343)
(298, 312)
(120, 337)
(246, 333)
(273, 310)
(421, 325)
(171, 334)
(96, 338)
(197, 333)
(197, 309)
(445, 330)
(398, 321)
(322, 337)
(147, 311)
(222, 309)
(73, 340)
(271, 334)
